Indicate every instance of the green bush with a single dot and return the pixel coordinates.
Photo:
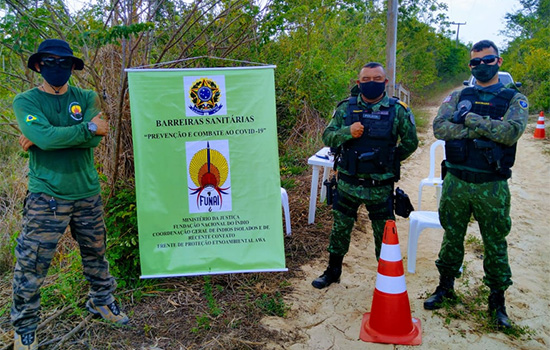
(122, 236)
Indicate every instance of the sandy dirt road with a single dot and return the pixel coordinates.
(331, 318)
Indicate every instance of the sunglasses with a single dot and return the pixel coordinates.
(486, 60)
(63, 62)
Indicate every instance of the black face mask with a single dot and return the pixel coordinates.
(485, 72)
(55, 76)
(372, 89)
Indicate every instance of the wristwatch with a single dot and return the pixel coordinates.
(92, 128)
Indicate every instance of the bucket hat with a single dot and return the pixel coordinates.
(56, 47)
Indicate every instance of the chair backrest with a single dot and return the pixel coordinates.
(433, 148)
(432, 179)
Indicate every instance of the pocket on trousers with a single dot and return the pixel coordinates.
(30, 201)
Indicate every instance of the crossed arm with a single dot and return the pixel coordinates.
(102, 130)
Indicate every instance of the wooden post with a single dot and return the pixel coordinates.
(391, 44)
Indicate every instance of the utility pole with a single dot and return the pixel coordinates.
(391, 44)
(457, 30)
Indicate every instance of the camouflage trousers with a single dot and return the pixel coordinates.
(490, 205)
(378, 202)
(43, 226)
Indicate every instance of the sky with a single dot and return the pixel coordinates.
(484, 19)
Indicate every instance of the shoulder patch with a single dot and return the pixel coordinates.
(447, 99)
(403, 104)
(523, 104)
(411, 118)
(30, 119)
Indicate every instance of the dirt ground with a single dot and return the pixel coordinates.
(167, 319)
(331, 318)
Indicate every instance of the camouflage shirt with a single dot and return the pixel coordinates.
(506, 131)
(337, 133)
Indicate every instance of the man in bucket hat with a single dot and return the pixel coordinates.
(61, 126)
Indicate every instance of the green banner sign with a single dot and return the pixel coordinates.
(207, 171)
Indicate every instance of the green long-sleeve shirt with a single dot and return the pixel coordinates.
(61, 161)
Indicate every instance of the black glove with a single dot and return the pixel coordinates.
(463, 108)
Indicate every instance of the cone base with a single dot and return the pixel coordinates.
(367, 334)
(539, 136)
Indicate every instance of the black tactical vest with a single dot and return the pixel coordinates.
(482, 153)
(374, 151)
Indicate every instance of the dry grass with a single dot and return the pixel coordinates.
(176, 313)
(13, 187)
(170, 313)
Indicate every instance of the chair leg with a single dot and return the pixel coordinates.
(412, 245)
(286, 209)
(419, 197)
(313, 194)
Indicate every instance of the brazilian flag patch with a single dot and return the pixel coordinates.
(30, 119)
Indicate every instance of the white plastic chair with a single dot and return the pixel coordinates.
(432, 180)
(422, 219)
(286, 209)
(418, 221)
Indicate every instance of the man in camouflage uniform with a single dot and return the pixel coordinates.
(481, 126)
(61, 125)
(373, 133)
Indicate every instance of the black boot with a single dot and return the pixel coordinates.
(331, 274)
(445, 290)
(497, 310)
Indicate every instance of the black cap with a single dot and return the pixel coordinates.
(56, 47)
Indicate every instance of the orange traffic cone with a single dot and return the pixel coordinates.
(390, 318)
(540, 131)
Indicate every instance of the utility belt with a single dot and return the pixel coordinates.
(398, 202)
(353, 180)
(476, 178)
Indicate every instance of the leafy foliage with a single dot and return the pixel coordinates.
(317, 45)
(122, 236)
(528, 54)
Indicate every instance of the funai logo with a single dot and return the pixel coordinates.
(205, 95)
(208, 171)
(75, 111)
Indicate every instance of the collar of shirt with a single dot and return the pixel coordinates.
(385, 101)
(492, 89)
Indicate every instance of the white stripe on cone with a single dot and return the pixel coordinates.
(390, 252)
(391, 285)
